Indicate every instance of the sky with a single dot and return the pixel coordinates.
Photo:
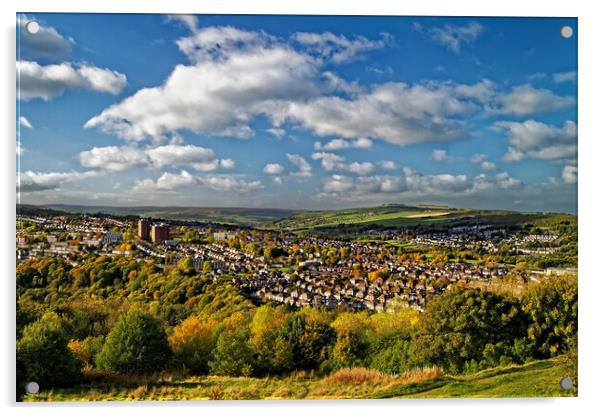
(301, 112)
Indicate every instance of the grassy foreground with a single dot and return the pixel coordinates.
(536, 379)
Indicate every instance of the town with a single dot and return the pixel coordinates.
(283, 267)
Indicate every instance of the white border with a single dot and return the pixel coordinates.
(590, 149)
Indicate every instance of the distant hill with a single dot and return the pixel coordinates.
(384, 216)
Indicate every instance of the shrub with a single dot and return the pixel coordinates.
(136, 344)
(43, 354)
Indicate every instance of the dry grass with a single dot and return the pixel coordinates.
(357, 376)
(360, 376)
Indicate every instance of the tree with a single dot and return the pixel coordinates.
(309, 336)
(457, 326)
(207, 266)
(136, 344)
(232, 355)
(552, 310)
(44, 356)
(192, 342)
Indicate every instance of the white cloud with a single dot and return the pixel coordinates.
(538, 140)
(339, 48)
(220, 183)
(565, 77)
(569, 174)
(395, 112)
(414, 185)
(30, 181)
(388, 165)
(526, 100)
(439, 155)
(47, 42)
(227, 163)
(340, 144)
(46, 82)
(334, 162)
(277, 181)
(487, 165)
(454, 37)
(24, 122)
(303, 167)
(278, 132)
(20, 149)
(190, 21)
(115, 158)
(481, 160)
(233, 73)
(273, 168)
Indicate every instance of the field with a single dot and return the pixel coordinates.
(535, 379)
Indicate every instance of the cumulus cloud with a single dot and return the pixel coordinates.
(221, 183)
(527, 100)
(339, 48)
(395, 112)
(273, 168)
(454, 37)
(303, 167)
(46, 82)
(481, 160)
(565, 77)
(233, 72)
(388, 165)
(340, 144)
(569, 174)
(539, 140)
(189, 21)
(114, 158)
(46, 43)
(416, 185)
(30, 181)
(439, 155)
(334, 162)
(24, 122)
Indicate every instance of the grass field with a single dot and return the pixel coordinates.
(536, 379)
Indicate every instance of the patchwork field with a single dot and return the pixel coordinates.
(536, 379)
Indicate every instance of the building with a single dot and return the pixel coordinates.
(159, 233)
(112, 237)
(144, 229)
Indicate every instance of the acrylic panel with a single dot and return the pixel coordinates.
(295, 207)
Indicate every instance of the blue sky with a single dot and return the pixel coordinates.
(297, 111)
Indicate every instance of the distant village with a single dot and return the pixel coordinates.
(284, 267)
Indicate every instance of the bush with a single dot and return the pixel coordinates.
(43, 354)
(394, 359)
(136, 344)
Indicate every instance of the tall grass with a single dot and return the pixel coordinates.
(361, 375)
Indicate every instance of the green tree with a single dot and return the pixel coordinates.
(44, 356)
(457, 326)
(207, 266)
(136, 344)
(552, 310)
(232, 355)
